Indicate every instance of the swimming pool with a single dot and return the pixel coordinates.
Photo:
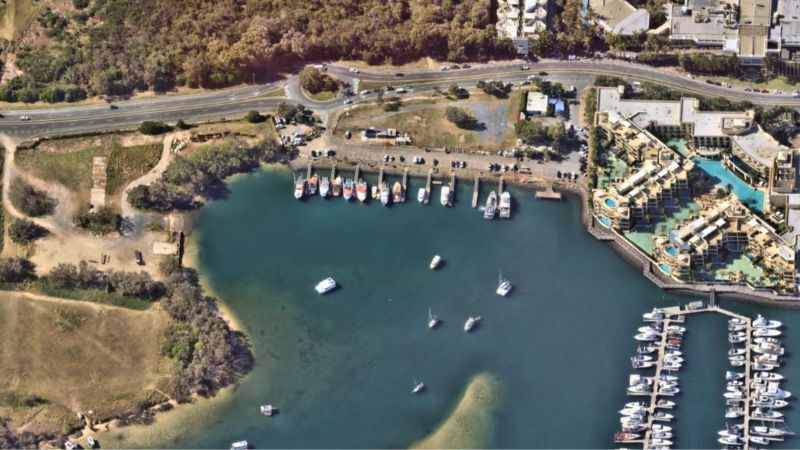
(749, 196)
(604, 220)
(665, 268)
(672, 250)
(610, 203)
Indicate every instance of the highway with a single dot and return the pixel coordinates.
(234, 102)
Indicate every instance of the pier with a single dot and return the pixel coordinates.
(476, 191)
(548, 193)
(405, 185)
(333, 172)
(310, 171)
(380, 174)
(452, 189)
(502, 185)
(358, 173)
(428, 187)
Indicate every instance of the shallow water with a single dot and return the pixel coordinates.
(340, 367)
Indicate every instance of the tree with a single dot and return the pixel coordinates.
(25, 231)
(557, 133)
(460, 117)
(315, 81)
(181, 125)
(15, 270)
(63, 276)
(102, 221)
(254, 117)
(30, 201)
(150, 127)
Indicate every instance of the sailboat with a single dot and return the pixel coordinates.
(504, 287)
(418, 387)
(433, 320)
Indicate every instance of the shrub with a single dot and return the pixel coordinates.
(254, 117)
(460, 117)
(150, 127)
(316, 81)
(24, 231)
(80, 4)
(15, 270)
(100, 222)
(30, 201)
(181, 125)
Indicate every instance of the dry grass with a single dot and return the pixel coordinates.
(75, 357)
(17, 14)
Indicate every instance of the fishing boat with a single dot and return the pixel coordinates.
(324, 187)
(471, 322)
(347, 190)
(417, 387)
(422, 195)
(299, 187)
(445, 196)
(337, 186)
(504, 287)
(397, 192)
(383, 192)
(313, 183)
(268, 410)
(433, 320)
(505, 205)
(491, 206)
(325, 286)
(435, 262)
(361, 191)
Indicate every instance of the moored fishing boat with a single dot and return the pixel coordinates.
(347, 190)
(422, 195)
(299, 187)
(444, 196)
(491, 206)
(337, 186)
(324, 187)
(361, 191)
(397, 192)
(383, 191)
(505, 205)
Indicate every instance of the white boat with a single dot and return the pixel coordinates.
(636, 405)
(374, 192)
(668, 377)
(347, 190)
(324, 187)
(647, 348)
(397, 192)
(769, 402)
(504, 287)
(642, 357)
(648, 329)
(471, 322)
(491, 206)
(737, 321)
(760, 440)
(736, 338)
(505, 205)
(659, 427)
(768, 376)
(383, 192)
(676, 329)
(435, 262)
(729, 440)
(299, 187)
(664, 403)
(361, 191)
(633, 412)
(69, 445)
(638, 364)
(736, 351)
(769, 414)
(731, 375)
(763, 430)
(417, 387)
(671, 365)
(673, 353)
(773, 390)
(737, 394)
(91, 442)
(268, 410)
(432, 320)
(422, 195)
(445, 196)
(312, 184)
(337, 186)
(325, 286)
(662, 434)
(646, 337)
(761, 322)
(660, 442)
(240, 445)
(767, 340)
(766, 332)
(734, 412)
(654, 315)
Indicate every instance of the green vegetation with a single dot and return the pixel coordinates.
(254, 117)
(97, 50)
(152, 128)
(709, 63)
(461, 118)
(318, 84)
(73, 169)
(100, 222)
(29, 200)
(495, 88)
(569, 33)
(534, 133)
(25, 231)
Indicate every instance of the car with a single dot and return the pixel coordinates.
(353, 70)
(525, 68)
(366, 92)
(690, 76)
(747, 89)
(113, 106)
(400, 91)
(139, 259)
(465, 66)
(399, 74)
(348, 101)
(445, 68)
(455, 66)
(25, 117)
(572, 58)
(543, 74)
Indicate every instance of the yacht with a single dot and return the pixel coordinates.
(656, 442)
(737, 394)
(313, 183)
(647, 348)
(639, 364)
(768, 376)
(767, 340)
(361, 191)
(240, 445)
(729, 440)
(654, 315)
(671, 365)
(445, 196)
(397, 192)
(383, 191)
(417, 387)
(769, 402)
(662, 416)
(648, 329)
(299, 187)
(734, 412)
(770, 349)
(761, 322)
(735, 338)
(663, 403)
(676, 329)
(731, 375)
(763, 430)
(736, 351)
(491, 206)
(325, 286)
(773, 390)
(668, 377)
(670, 390)
(633, 412)
(737, 321)
(662, 434)
(422, 195)
(504, 287)
(324, 187)
(337, 186)
(768, 414)
(347, 190)
(433, 320)
(268, 410)
(471, 322)
(760, 440)
(636, 405)
(435, 262)
(647, 337)
(505, 205)
(661, 428)
(766, 332)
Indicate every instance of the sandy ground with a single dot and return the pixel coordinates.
(471, 423)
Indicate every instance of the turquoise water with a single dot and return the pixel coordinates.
(664, 268)
(340, 367)
(611, 203)
(604, 220)
(749, 196)
(672, 250)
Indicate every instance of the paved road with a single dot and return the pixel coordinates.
(234, 102)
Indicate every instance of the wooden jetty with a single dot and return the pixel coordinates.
(405, 185)
(548, 193)
(502, 185)
(310, 171)
(452, 188)
(428, 186)
(358, 173)
(380, 174)
(476, 190)
(333, 172)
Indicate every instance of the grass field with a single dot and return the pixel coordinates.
(323, 96)
(61, 358)
(73, 169)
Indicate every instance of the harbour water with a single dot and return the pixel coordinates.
(340, 367)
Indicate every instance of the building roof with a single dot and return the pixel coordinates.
(619, 16)
(537, 102)
(760, 146)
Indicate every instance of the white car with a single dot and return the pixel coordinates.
(353, 70)
(525, 68)
(26, 117)
(348, 101)
(366, 92)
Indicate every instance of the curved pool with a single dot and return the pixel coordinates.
(611, 203)
(672, 250)
(665, 268)
(605, 221)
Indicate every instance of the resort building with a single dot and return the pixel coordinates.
(753, 157)
(637, 144)
(724, 229)
(620, 17)
(521, 19)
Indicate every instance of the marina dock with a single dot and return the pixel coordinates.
(310, 171)
(476, 190)
(502, 185)
(405, 185)
(428, 186)
(333, 172)
(548, 193)
(358, 173)
(380, 174)
(452, 189)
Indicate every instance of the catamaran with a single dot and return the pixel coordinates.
(417, 387)
(505, 205)
(444, 197)
(324, 187)
(504, 287)
(361, 191)
(433, 320)
(348, 189)
(471, 322)
(491, 206)
(299, 187)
